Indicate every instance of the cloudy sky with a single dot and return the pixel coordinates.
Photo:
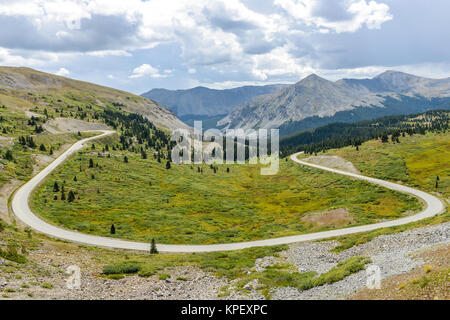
(138, 45)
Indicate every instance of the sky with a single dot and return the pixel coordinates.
(137, 45)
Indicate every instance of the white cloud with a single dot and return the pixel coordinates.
(360, 12)
(62, 72)
(146, 70)
(104, 53)
(219, 37)
(279, 62)
(20, 58)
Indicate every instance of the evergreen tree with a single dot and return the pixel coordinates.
(153, 249)
(71, 196)
(9, 155)
(168, 164)
(75, 178)
(42, 147)
(91, 163)
(125, 159)
(55, 187)
(437, 182)
(228, 170)
(113, 229)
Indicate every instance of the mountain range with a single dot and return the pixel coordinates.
(315, 101)
(201, 101)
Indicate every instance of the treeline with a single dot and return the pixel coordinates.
(138, 134)
(338, 135)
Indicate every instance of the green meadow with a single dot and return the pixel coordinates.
(199, 205)
(416, 160)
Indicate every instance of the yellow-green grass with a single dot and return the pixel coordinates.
(144, 200)
(24, 158)
(416, 160)
(82, 100)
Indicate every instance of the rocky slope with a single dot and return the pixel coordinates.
(18, 82)
(318, 97)
(205, 101)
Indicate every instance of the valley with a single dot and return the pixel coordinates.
(204, 204)
(201, 204)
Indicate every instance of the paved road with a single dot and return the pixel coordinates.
(22, 210)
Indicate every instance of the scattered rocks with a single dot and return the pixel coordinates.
(391, 253)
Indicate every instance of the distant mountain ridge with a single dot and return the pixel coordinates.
(207, 102)
(316, 98)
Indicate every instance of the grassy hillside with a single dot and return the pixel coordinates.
(417, 160)
(24, 158)
(28, 89)
(144, 200)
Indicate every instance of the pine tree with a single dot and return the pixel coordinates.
(71, 196)
(42, 147)
(63, 195)
(168, 164)
(228, 170)
(125, 159)
(91, 163)
(153, 249)
(437, 182)
(55, 187)
(75, 178)
(113, 229)
(9, 155)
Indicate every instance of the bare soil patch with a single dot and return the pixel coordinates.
(63, 125)
(335, 217)
(334, 162)
(5, 192)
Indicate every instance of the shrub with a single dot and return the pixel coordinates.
(163, 276)
(121, 268)
(12, 254)
(47, 285)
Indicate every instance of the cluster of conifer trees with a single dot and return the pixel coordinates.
(338, 135)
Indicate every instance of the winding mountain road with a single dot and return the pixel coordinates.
(21, 209)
